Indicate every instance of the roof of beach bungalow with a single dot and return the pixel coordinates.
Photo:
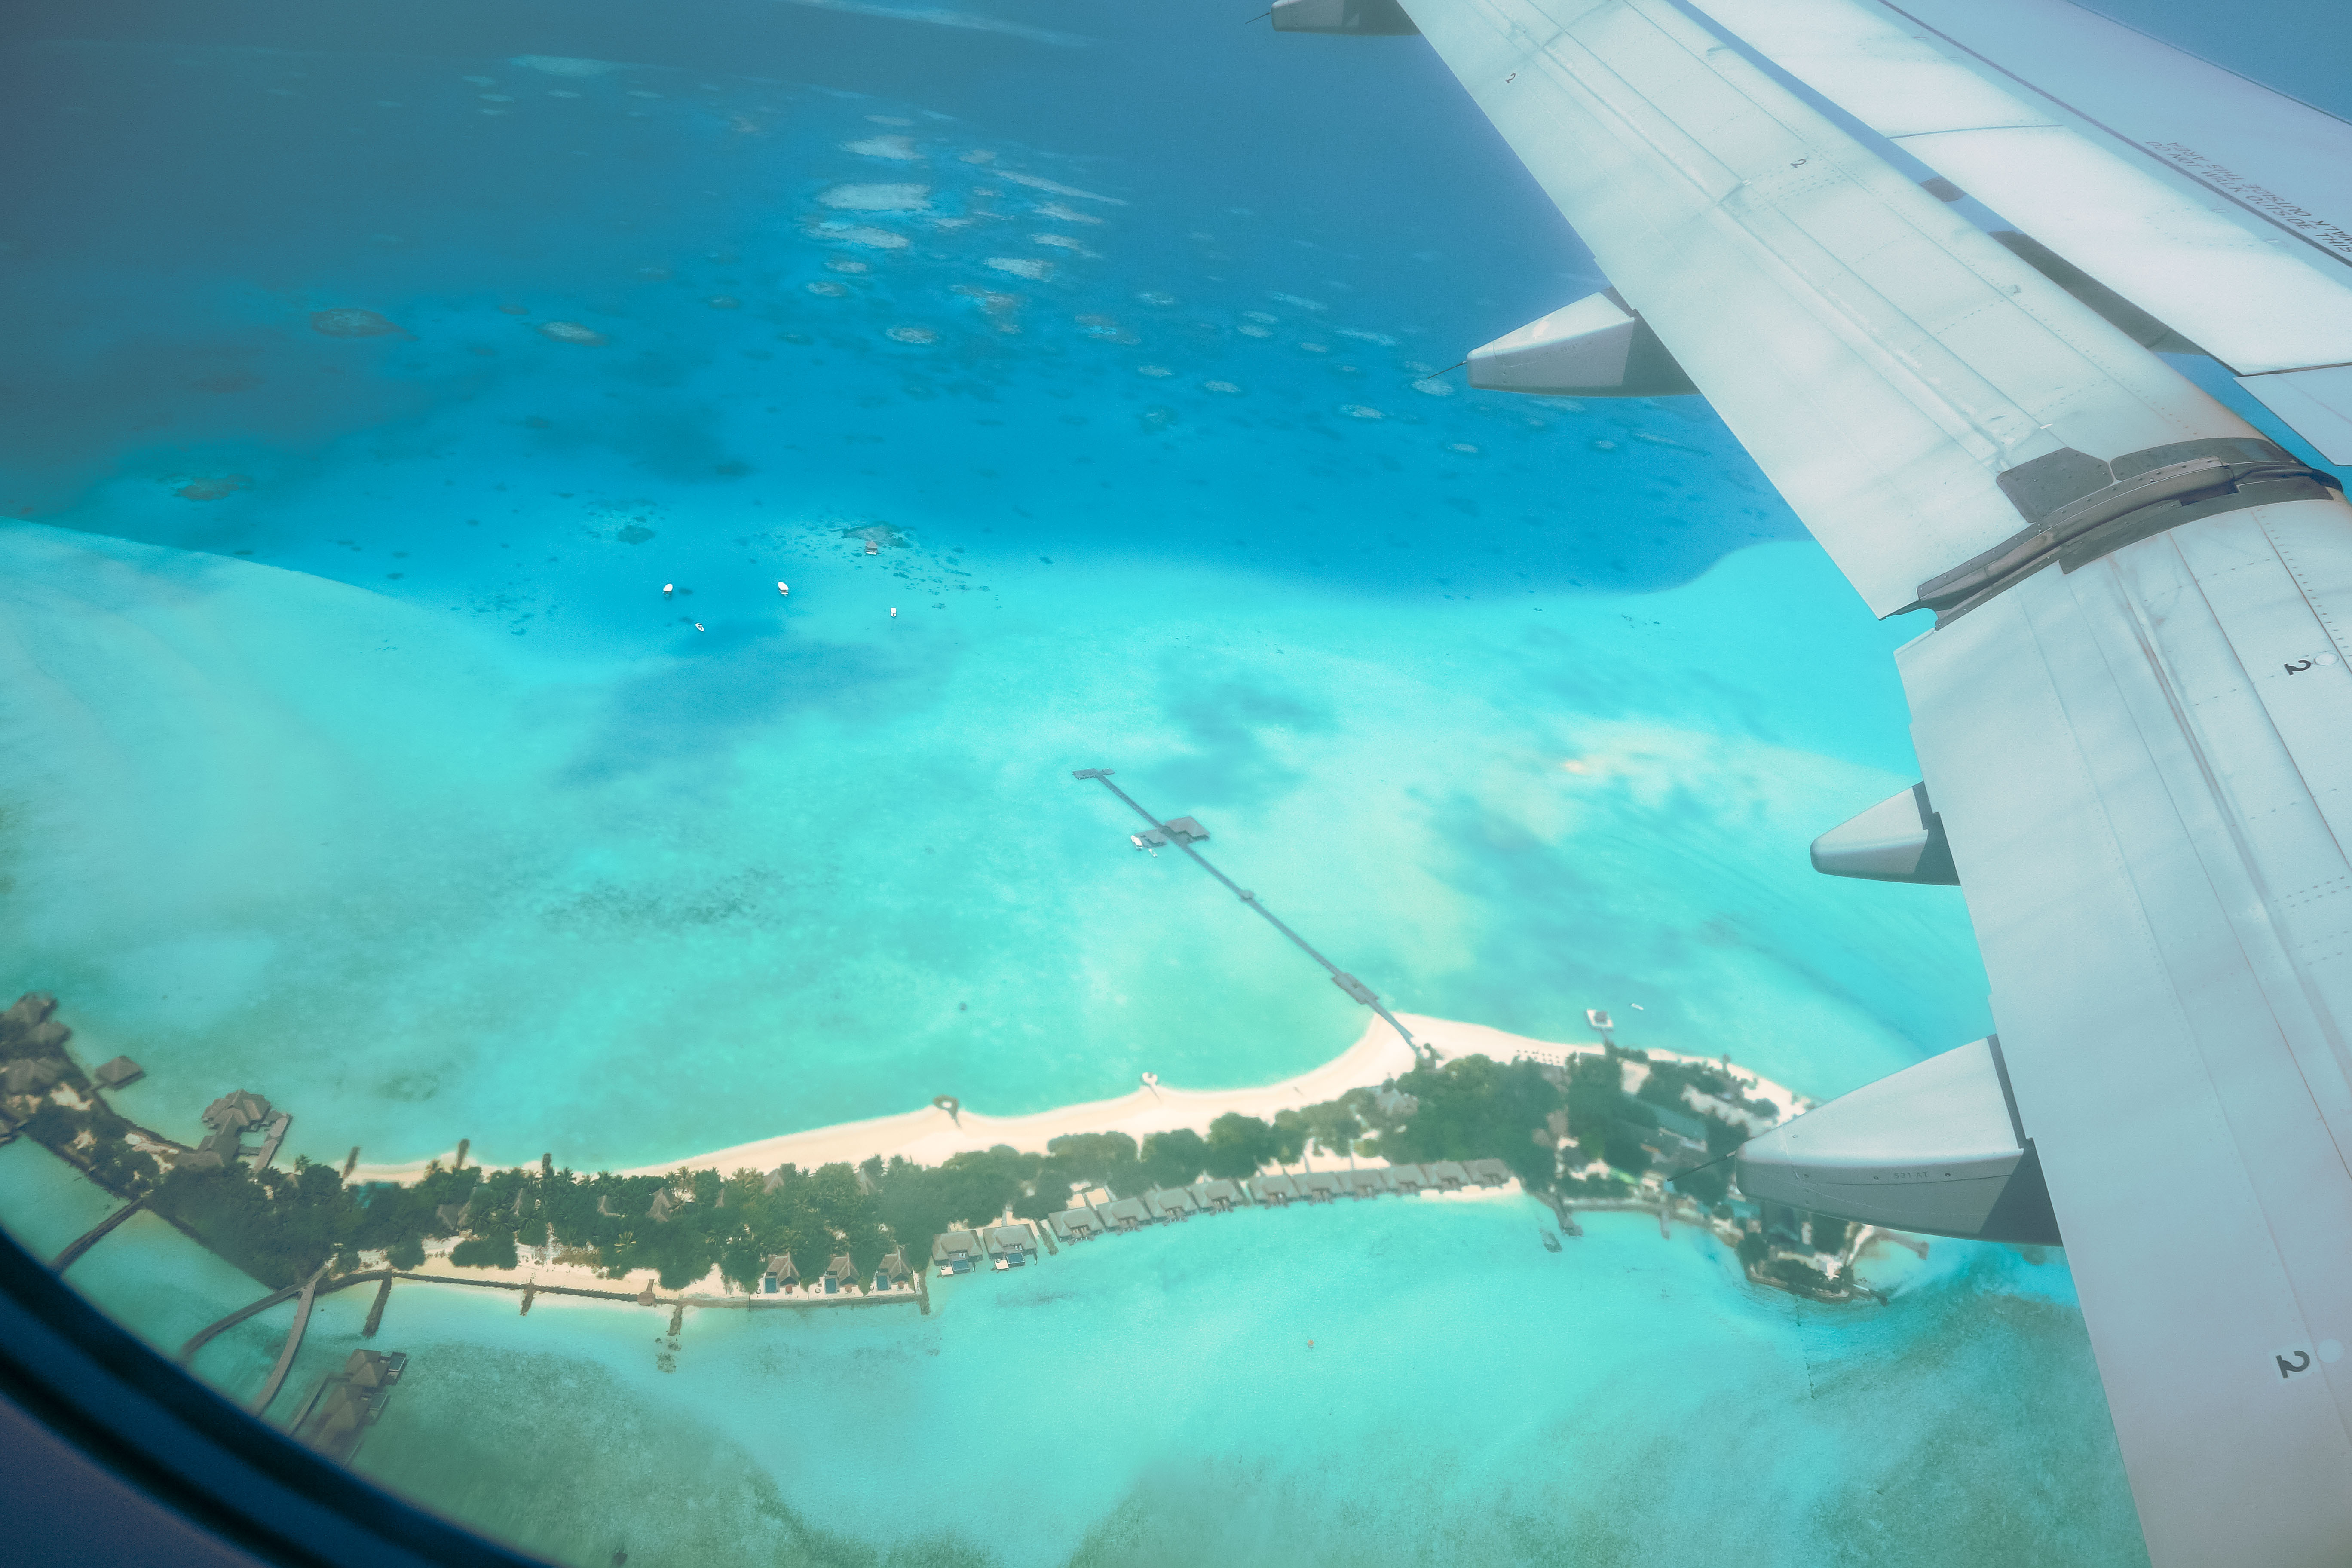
(30, 1075)
(1407, 1178)
(1272, 1189)
(1077, 1224)
(842, 1269)
(118, 1072)
(955, 1246)
(780, 1265)
(1320, 1184)
(1011, 1239)
(1448, 1175)
(1489, 1173)
(1126, 1212)
(450, 1215)
(893, 1267)
(1219, 1193)
(776, 1179)
(663, 1206)
(1173, 1202)
(1365, 1183)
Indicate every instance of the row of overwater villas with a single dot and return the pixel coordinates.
(840, 1277)
(1012, 1246)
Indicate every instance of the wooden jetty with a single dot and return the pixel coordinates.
(97, 1233)
(277, 1136)
(206, 1335)
(375, 1312)
(293, 1343)
(1183, 832)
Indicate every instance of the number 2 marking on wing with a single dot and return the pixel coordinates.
(2302, 1362)
(2298, 666)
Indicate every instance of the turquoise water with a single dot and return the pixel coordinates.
(386, 782)
(350, 753)
(1153, 1398)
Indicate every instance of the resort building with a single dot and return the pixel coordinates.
(1389, 1103)
(1489, 1173)
(776, 1179)
(892, 1273)
(1679, 1140)
(1125, 1214)
(958, 1252)
(840, 1274)
(1218, 1195)
(663, 1206)
(118, 1072)
(1012, 1244)
(1077, 1225)
(1172, 1203)
(1275, 1190)
(1407, 1180)
(1447, 1176)
(780, 1275)
(1368, 1183)
(1319, 1186)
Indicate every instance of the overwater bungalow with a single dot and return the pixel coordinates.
(840, 1275)
(1489, 1173)
(1448, 1176)
(1012, 1244)
(345, 1404)
(1365, 1183)
(1275, 1190)
(958, 1252)
(1173, 1202)
(118, 1072)
(892, 1273)
(236, 1112)
(1217, 1196)
(1319, 1186)
(1407, 1180)
(1127, 1214)
(780, 1275)
(1076, 1224)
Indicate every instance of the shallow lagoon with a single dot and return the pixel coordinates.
(1468, 1396)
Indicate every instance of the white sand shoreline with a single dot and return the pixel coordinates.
(929, 1135)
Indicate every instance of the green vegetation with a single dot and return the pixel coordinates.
(1474, 1108)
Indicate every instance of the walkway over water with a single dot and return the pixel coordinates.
(97, 1234)
(1174, 834)
(293, 1343)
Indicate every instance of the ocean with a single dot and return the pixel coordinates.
(402, 721)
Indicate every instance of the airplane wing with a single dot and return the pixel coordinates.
(2132, 710)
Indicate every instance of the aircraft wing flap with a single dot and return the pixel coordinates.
(2165, 909)
(1880, 358)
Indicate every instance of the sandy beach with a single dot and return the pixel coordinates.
(930, 1134)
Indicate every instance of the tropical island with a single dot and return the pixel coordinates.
(1589, 1127)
